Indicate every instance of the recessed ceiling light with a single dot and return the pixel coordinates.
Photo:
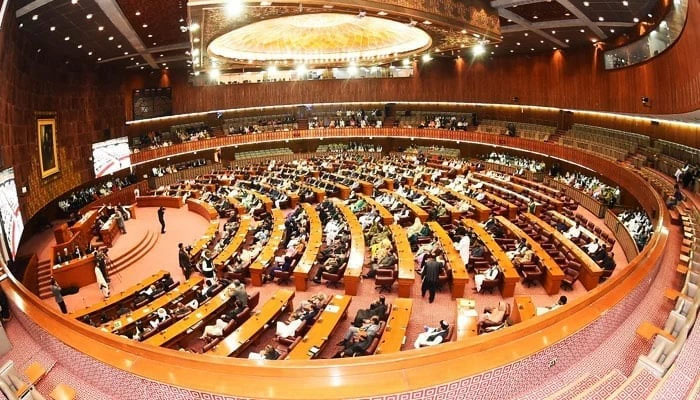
(167, 67)
(496, 46)
(100, 28)
(594, 40)
(119, 46)
(601, 19)
(89, 53)
(182, 20)
(527, 34)
(625, 3)
(635, 20)
(567, 40)
(145, 25)
(110, 38)
(554, 48)
(612, 30)
(582, 30)
(493, 52)
(150, 35)
(554, 32)
(74, 1)
(35, 17)
(517, 43)
(38, 50)
(67, 38)
(161, 55)
(567, 14)
(382, 13)
(511, 51)
(132, 59)
(585, 3)
(165, 64)
(89, 16)
(21, 24)
(154, 43)
(137, 13)
(53, 28)
(650, 16)
(80, 46)
(99, 58)
(541, 41)
(535, 17)
(126, 53)
(141, 67)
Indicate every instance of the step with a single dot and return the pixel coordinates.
(574, 388)
(604, 387)
(695, 392)
(119, 264)
(638, 386)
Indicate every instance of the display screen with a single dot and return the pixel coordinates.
(111, 156)
(9, 208)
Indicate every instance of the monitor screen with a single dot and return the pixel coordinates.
(9, 209)
(111, 156)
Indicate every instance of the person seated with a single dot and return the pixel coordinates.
(161, 317)
(574, 232)
(214, 331)
(358, 340)
(237, 290)
(526, 257)
(561, 226)
(306, 312)
(561, 302)
(478, 250)
(268, 353)
(432, 336)
(519, 250)
(490, 274)
(592, 247)
(207, 291)
(493, 317)
(378, 309)
(332, 265)
(283, 266)
(180, 310)
(386, 262)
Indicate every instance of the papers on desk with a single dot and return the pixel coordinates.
(470, 313)
(332, 308)
(314, 350)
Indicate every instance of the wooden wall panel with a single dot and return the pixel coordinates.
(572, 79)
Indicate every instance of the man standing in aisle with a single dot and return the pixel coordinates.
(184, 260)
(161, 218)
(56, 291)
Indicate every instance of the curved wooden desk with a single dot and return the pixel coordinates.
(267, 254)
(317, 338)
(236, 242)
(307, 260)
(75, 273)
(510, 275)
(399, 372)
(460, 276)
(481, 212)
(202, 208)
(396, 326)
(384, 214)
(407, 273)
(416, 211)
(356, 259)
(160, 201)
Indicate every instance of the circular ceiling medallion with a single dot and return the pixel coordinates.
(324, 38)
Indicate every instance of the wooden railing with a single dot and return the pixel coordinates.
(189, 173)
(586, 201)
(124, 196)
(399, 372)
(624, 238)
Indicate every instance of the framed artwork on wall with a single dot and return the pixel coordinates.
(48, 153)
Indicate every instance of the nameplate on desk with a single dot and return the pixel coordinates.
(332, 308)
(314, 350)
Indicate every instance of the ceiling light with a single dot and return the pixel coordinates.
(38, 50)
(554, 48)
(67, 38)
(535, 17)
(234, 8)
(478, 50)
(74, 1)
(601, 19)
(53, 28)
(161, 55)
(567, 40)
(635, 20)
(119, 46)
(80, 46)
(164, 64)
(567, 14)
(150, 35)
(154, 43)
(89, 53)
(21, 24)
(110, 38)
(100, 28)
(527, 34)
(182, 20)
(554, 32)
(585, 3)
(612, 30)
(144, 26)
(511, 51)
(131, 59)
(426, 58)
(517, 43)
(582, 30)
(89, 16)
(126, 53)
(532, 49)
(594, 40)
(194, 27)
(650, 16)
(137, 13)
(625, 3)
(382, 13)
(99, 58)
(141, 67)
(35, 17)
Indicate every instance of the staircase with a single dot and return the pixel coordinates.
(613, 386)
(120, 263)
(571, 390)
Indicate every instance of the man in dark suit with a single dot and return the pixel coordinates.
(161, 219)
(184, 260)
(430, 275)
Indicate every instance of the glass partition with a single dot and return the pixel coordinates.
(652, 44)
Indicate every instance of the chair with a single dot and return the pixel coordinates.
(571, 274)
(385, 278)
(532, 275)
(490, 284)
(333, 279)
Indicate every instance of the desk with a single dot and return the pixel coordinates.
(455, 213)
(79, 272)
(202, 208)
(396, 325)
(203, 241)
(318, 335)
(319, 193)
(160, 201)
(267, 253)
(407, 274)
(266, 201)
(553, 274)
(510, 275)
(34, 373)
(512, 208)
(235, 243)
(62, 392)
(85, 224)
(467, 319)
(307, 260)
(244, 335)
(180, 327)
(569, 222)
(523, 309)
(535, 194)
(647, 330)
(415, 209)
(481, 212)
(384, 214)
(343, 191)
(460, 276)
(143, 312)
(62, 234)
(356, 259)
(590, 272)
(109, 231)
(117, 297)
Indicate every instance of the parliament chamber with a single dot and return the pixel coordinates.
(415, 199)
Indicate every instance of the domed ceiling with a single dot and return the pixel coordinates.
(321, 38)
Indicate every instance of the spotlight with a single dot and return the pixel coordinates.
(234, 8)
(478, 50)
(426, 58)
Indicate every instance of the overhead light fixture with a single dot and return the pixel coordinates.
(74, 1)
(426, 58)
(119, 46)
(110, 38)
(150, 35)
(635, 19)
(601, 19)
(89, 53)
(144, 26)
(479, 49)
(67, 38)
(126, 53)
(80, 46)
(100, 28)
(53, 28)
(99, 58)
(234, 8)
(625, 3)
(89, 16)
(382, 13)
(137, 13)
(35, 17)
(585, 3)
